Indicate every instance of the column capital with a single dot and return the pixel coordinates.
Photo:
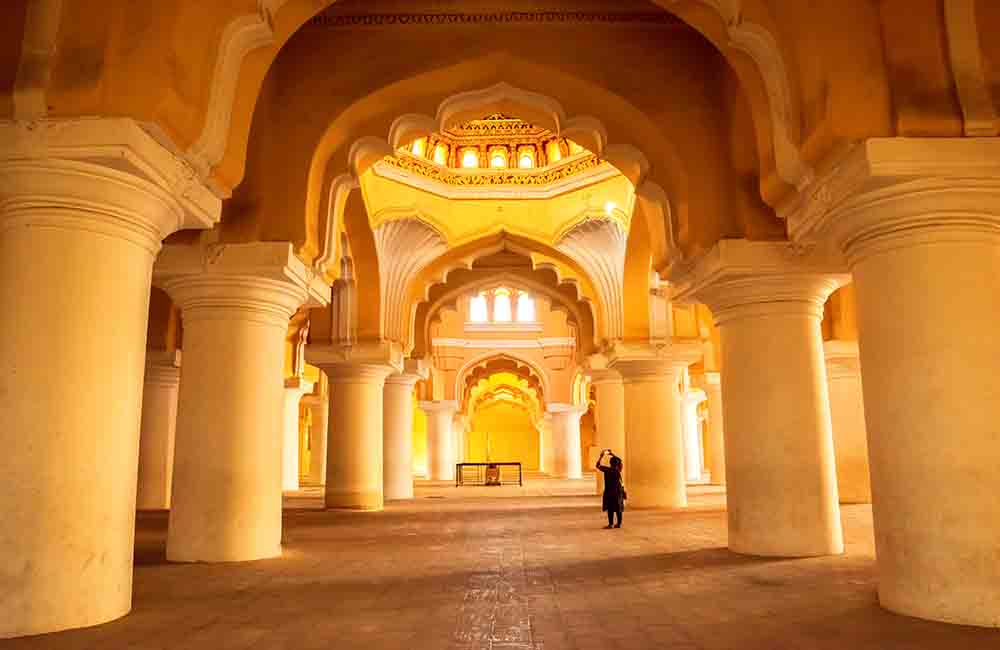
(298, 383)
(107, 173)
(693, 397)
(340, 360)
(265, 281)
(709, 382)
(842, 358)
(740, 278)
(163, 368)
(888, 193)
(604, 376)
(649, 362)
(413, 371)
(438, 406)
(565, 409)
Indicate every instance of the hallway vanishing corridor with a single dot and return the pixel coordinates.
(461, 573)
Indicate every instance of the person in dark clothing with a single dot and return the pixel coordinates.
(613, 501)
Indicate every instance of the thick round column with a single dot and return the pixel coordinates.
(926, 263)
(781, 480)
(397, 457)
(227, 468)
(320, 410)
(847, 413)
(440, 441)
(295, 388)
(654, 458)
(610, 415)
(567, 461)
(693, 452)
(354, 437)
(156, 436)
(715, 441)
(77, 243)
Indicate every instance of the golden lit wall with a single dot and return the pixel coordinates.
(419, 440)
(512, 437)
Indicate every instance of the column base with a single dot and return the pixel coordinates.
(367, 501)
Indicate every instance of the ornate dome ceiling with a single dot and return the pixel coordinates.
(495, 150)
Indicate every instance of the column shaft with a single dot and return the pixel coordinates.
(320, 409)
(610, 430)
(715, 441)
(928, 304)
(440, 440)
(847, 412)
(354, 439)
(654, 461)
(781, 481)
(295, 388)
(77, 244)
(228, 463)
(157, 431)
(398, 436)
(567, 461)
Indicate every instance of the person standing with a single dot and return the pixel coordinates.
(613, 501)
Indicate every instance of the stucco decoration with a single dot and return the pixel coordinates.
(365, 153)
(532, 107)
(241, 36)
(405, 247)
(599, 246)
(653, 202)
(762, 47)
(967, 65)
(340, 190)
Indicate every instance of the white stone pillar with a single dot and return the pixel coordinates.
(156, 436)
(567, 460)
(715, 440)
(919, 223)
(236, 302)
(440, 441)
(654, 447)
(78, 236)
(847, 412)
(354, 439)
(398, 436)
(610, 430)
(781, 479)
(319, 409)
(694, 466)
(295, 388)
(458, 430)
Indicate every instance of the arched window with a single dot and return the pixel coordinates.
(525, 308)
(477, 309)
(498, 158)
(501, 306)
(470, 159)
(526, 158)
(419, 147)
(441, 154)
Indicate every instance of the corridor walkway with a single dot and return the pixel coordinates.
(453, 572)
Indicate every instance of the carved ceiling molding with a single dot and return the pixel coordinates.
(344, 21)
(404, 247)
(967, 65)
(492, 177)
(599, 246)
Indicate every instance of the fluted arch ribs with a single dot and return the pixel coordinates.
(599, 246)
(405, 247)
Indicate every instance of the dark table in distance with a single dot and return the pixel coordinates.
(488, 474)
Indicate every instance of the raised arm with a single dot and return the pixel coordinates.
(599, 466)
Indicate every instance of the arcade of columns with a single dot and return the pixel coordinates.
(864, 259)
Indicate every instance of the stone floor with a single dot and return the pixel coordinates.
(512, 569)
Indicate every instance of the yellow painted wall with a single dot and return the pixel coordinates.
(419, 440)
(511, 434)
